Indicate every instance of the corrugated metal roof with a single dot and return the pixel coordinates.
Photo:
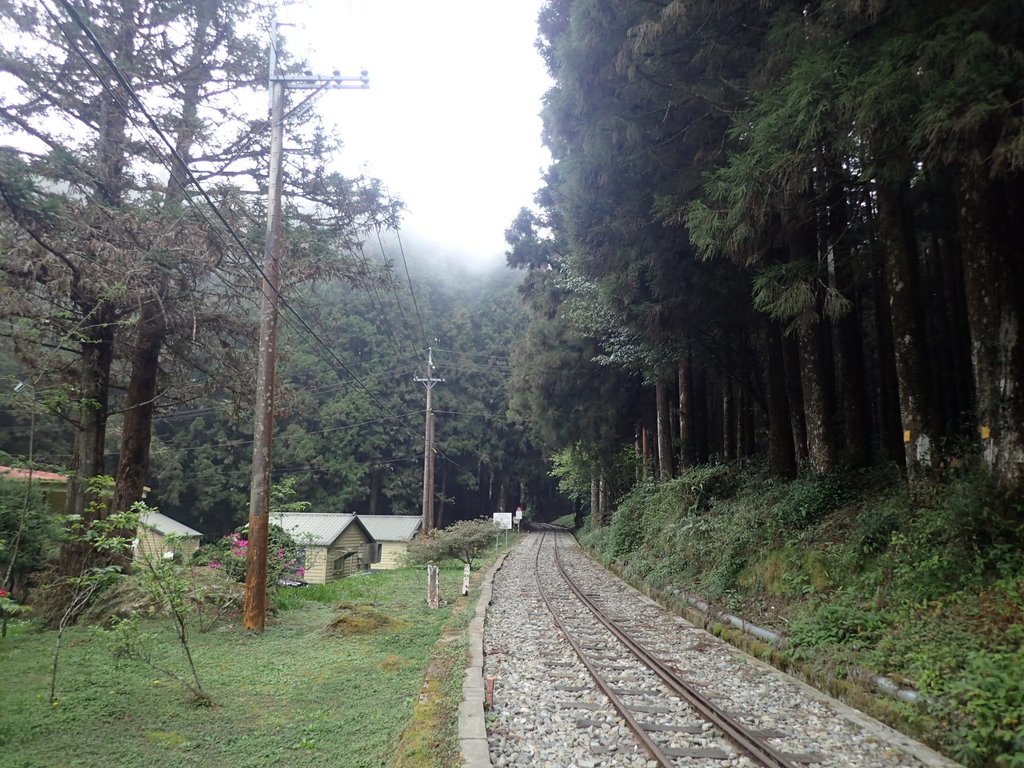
(320, 529)
(392, 527)
(161, 523)
(17, 473)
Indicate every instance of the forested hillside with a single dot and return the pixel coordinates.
(779, 229)
(354, 443)
(351, 439)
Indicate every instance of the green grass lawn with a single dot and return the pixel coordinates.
(297, 695)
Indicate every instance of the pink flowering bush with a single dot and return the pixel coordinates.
(284, 555)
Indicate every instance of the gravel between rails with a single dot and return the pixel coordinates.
(548, 712)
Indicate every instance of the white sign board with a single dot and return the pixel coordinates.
(504, 520)
(519, 514)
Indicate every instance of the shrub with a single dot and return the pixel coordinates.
(627, 529)
(878, 522)
(28, 529)
(985, 704)
(807, 501)
(284, 555)
(837, 624)
(465, 540)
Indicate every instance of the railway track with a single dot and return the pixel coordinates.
(671, 719)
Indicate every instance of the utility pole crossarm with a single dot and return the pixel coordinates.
(312, 82)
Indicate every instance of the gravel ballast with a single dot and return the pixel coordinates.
(547, 710)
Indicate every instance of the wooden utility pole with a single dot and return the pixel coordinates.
(255, 606)
(428, 448)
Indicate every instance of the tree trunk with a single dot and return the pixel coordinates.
(605, 488)
(747, 437)
(850, 384)
(821, 448)
(136, 438)
(781, 452)
(376, 480)
(890, 433)
(96, 349)
(727, 420)
(503, 497)
(595, 501)
(994, 282)
(136, 434)
(916, 402)
(638, 454)
(687, 431)
(664, 418)
(958, 376)
(821, 444)
(795, 395)
(95, 357)
(701, 421)
(645, 452)
(481, 489)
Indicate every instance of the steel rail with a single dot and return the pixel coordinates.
(744, 739)
(651, 746)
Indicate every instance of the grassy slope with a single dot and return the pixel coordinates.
(858, 573)
(293, 696)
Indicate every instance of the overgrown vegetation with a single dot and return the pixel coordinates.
(27, 529)
(925, 585)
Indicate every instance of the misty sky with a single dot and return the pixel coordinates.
(450, 122)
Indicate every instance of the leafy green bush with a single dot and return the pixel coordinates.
(837, 624)
(700, 485)
(465, 540)
(806, 501)
(985, 705)
(627, 528)
(597, 540)
(877, 522)
(954, 535)
(28, 530)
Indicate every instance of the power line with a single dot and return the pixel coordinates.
(412, 292)
(505, 360)
(286, 436)
(394, 290)
(320, 346)
(379, 306)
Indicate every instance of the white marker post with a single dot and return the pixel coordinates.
(432, 600)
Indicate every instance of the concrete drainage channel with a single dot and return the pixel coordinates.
(472, 730)
(882, 683)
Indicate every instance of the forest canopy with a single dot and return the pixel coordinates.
(779, 229)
